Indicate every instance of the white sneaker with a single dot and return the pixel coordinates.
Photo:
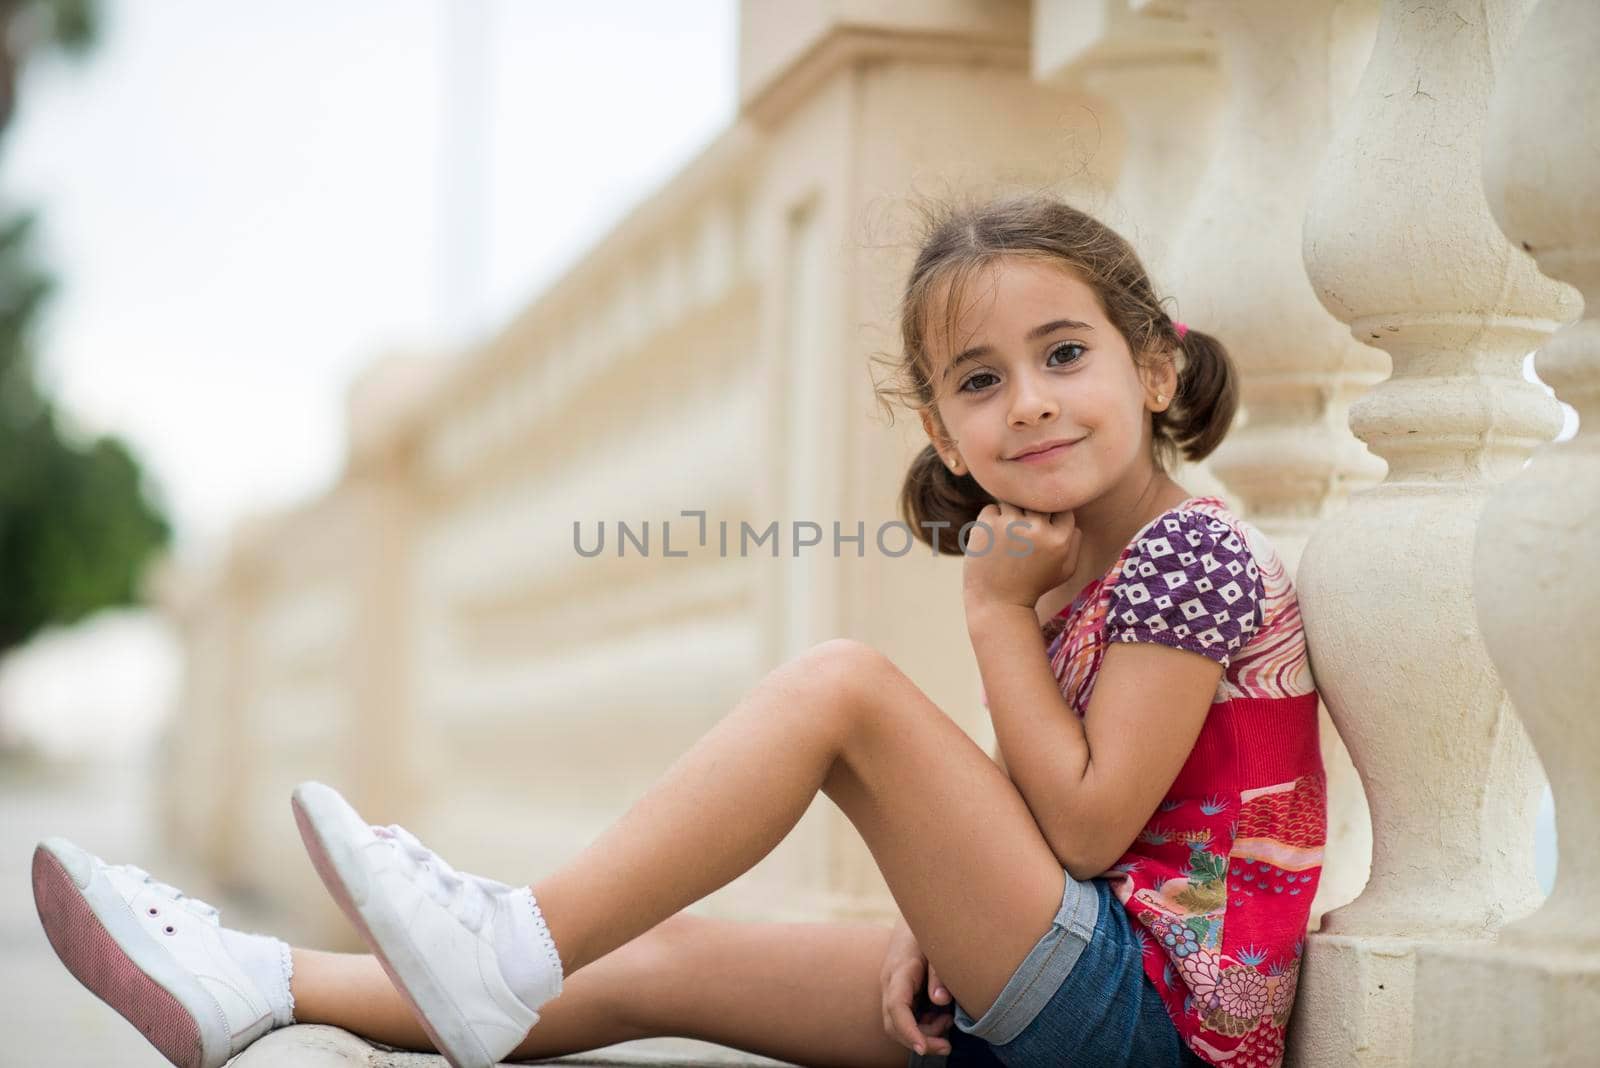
(471, 955)
(159, 957)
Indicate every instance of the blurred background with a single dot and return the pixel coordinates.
(212, 217)
(321, 325)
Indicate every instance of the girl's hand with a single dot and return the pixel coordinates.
(903, 968)
(1008, 572)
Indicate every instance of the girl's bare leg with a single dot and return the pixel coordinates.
(956, 843)
(967, 865)
(802, 993)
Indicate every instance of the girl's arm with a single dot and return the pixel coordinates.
(1091, 784)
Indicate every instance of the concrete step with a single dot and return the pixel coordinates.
(319, 1046)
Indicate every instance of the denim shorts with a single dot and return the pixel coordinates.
(1080, 996)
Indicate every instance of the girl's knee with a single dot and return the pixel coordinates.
(856, 668)
(834, 687)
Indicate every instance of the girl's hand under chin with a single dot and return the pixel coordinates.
(1010, 573)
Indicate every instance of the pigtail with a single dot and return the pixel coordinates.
(932, 493)
(1207, 399)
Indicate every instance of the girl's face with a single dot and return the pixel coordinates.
(1033, 361)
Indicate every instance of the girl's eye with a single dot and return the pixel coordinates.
(1076, 356)
(1073, 348)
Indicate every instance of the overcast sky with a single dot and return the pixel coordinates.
(245, 203)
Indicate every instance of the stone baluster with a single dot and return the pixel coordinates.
(1238, 274)
(1400, 245)
(1157, 76)
(1533, 995)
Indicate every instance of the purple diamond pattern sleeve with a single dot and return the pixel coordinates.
(1189, 582)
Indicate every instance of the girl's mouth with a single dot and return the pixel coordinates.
(1047, 455)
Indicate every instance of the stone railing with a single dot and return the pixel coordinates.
(1348, 193)
(1399, 254)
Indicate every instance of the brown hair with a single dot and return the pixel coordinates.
(963, 238)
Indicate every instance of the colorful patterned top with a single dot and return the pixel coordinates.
(1239, 836)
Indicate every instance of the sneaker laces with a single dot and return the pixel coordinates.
(449, 887)
(210, 913)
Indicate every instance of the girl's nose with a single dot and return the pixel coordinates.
(1030, 402)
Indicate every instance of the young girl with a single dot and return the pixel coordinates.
(1158, 768)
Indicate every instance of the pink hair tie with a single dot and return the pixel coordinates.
(1181, 328)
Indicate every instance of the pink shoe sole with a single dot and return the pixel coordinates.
(95, 959)
(329, 873)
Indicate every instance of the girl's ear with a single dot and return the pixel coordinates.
(941, 444)
(1159, 375)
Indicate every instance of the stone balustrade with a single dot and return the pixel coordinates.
(1381, 209)
(1531, 994)
(1400, 245)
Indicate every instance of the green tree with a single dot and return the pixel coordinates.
(29, 26)
(77, 528)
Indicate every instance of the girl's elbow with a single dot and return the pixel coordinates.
(1072, 859)
(1084, 872)
(1081, 858)
(1090, 859)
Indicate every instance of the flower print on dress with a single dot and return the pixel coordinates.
(1180, 941)
(1241, 999)
(1202, 971)
(1236, 998)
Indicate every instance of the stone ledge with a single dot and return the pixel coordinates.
(321, 1046)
